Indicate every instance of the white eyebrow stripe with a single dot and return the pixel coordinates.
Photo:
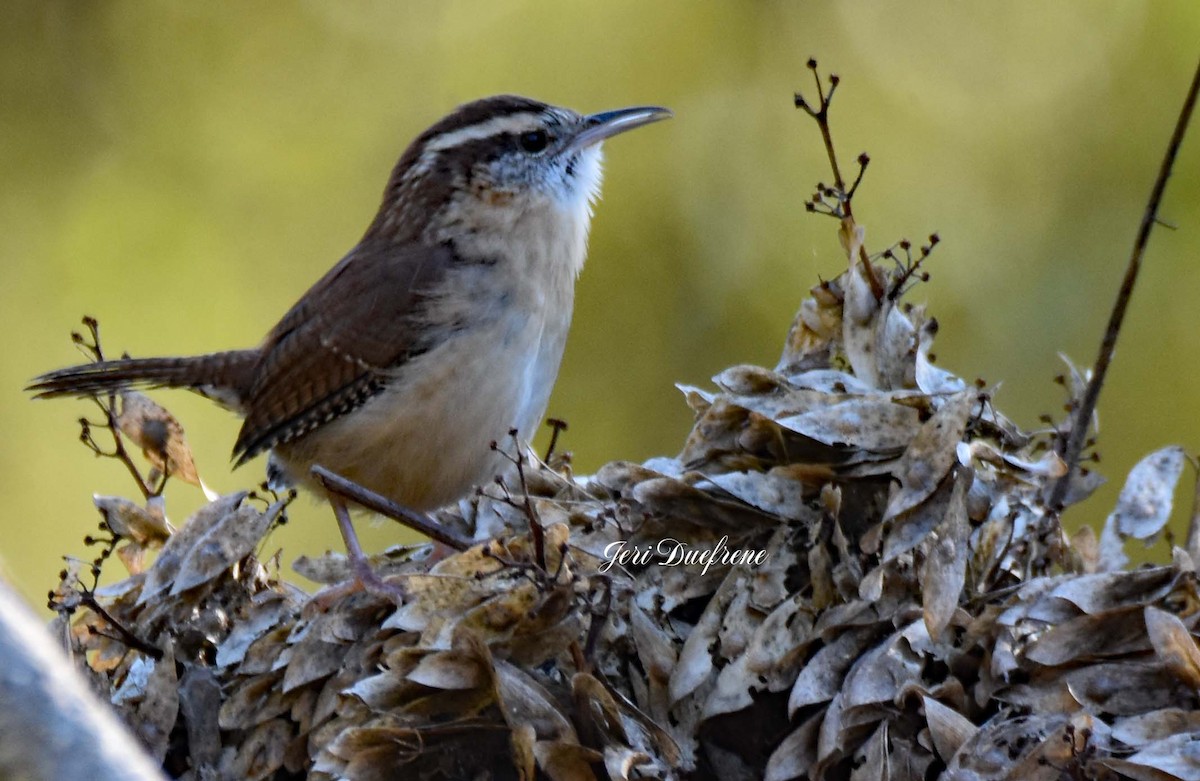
(510, 123)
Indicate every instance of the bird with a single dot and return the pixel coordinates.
(439, 332)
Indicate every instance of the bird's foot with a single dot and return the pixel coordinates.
(360, 567)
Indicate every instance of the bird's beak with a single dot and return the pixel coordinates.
(609, 123)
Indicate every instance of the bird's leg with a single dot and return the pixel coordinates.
(338, 490)
(359, 565)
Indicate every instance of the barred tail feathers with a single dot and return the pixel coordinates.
(224, 377)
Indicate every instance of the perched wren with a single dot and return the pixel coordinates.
(438, 333)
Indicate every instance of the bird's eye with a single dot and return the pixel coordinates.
(534, 141)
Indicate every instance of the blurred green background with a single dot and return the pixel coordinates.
(183, 171)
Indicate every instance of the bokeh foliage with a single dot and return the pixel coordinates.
(184, 171)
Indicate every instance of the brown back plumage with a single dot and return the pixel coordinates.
(336, 347)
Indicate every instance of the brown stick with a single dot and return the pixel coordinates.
(1073, 447)
(335, 483)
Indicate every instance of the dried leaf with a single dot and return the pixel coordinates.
(777, 492)
(931, 454)
(816, 327)
(227, 542)
(311, 660)
(166, 567)
(1144, 506)
(141, 524)
(655, 648)
(1057, 750)
(600, 716)
(871, 758)
(159, 435)
(1176, 757)
(768, 662)
(949, 728)
(267, 613)
(565, 760)
(1137, 731)
(675, 498)
(750, 380)
(913, 528)
(453, 669)
(1087, 548)
(524, 701)
(796, 753)
(696, 656)
(869, 423)
(1049, 465)
(860, 313)
(1083, 483)
(254, 701)
(1107, 591)
(262, 752)
(523, 740)
(1124, 688)
(991, 753)
(1089, 637)
(1174, 645)
(159, 706)
(878, 674)
(621, 763)
(199, 704)
(945, 569)
(698, 399)
(821, 678)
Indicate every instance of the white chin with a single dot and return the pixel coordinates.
(588, 174)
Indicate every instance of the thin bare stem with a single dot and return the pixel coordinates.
(536, 532)
(1083, 414)
(844, 209)
(119, 451)
(87, 598)
(90, 346)
(557, 426)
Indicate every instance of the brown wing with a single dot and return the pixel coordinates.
(330, 352)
